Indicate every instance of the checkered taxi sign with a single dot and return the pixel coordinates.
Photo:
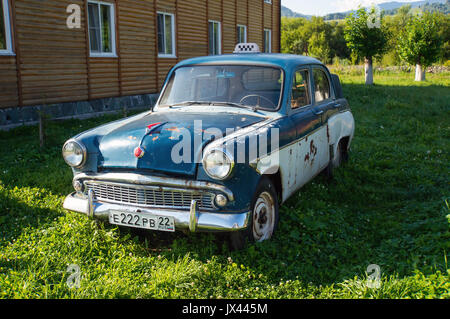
(246, 48)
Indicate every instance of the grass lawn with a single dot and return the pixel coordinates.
(389, 205)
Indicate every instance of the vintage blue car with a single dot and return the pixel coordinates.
(230, 138)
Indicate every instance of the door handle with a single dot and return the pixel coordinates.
(318, 112)
(336, 105)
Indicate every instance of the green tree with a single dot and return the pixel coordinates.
(319, 46)
(292, 38)
(445, 35)
(420, 44)
(367, 37)
(396, 24)
(337, 43)
(318, 32)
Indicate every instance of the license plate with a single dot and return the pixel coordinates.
(146, 221)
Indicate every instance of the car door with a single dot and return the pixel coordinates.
(307, 121)
(323, 105)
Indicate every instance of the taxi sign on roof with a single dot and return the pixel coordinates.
(246, 48)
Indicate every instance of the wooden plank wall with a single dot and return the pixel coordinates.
(52, 62)
(137, 46)
(52, 58)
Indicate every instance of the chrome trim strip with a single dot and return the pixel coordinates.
(243, 131)
(204, 221)
(90, 204)
(139, 179)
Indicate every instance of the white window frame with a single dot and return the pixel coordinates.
(8, 34)
(220, 35)
(112, 54)
(172, 22)
(270, 40)
(245, 32)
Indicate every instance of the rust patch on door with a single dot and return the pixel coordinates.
(312, 148)
(311, 155)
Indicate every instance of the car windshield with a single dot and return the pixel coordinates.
(255, 87)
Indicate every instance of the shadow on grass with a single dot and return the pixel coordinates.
(16, 214)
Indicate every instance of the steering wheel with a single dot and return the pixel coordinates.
(259, 99)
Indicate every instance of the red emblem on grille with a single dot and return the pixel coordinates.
(138, 152)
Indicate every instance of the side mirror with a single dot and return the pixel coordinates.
(337, 86)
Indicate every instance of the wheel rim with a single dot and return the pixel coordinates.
(263, 217)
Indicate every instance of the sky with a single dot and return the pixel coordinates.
(322, 7)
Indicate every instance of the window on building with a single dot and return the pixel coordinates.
(321, 85)
(101, 29)
(268, 1)
(267, 41)
(214, 38)
(241, 33)
(5, 28)
(300, 90)
(166, 35)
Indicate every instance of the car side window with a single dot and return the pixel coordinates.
(321, 85)
(300, 90)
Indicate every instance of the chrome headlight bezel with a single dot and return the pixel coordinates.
(225, 155)
(82, 150)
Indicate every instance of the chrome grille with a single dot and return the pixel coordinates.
(149, 196)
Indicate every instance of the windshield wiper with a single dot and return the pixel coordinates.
(188, 103)
(242, 106)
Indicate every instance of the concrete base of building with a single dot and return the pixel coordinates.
(29, 115)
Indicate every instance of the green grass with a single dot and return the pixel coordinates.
(389, 205)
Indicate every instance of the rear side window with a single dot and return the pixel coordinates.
(300, 90)
(321, 85)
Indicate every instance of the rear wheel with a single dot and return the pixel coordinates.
(340, 157)
(264, 218)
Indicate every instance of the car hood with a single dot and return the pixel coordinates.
(161, 134)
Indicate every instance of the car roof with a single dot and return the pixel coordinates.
(285, 61)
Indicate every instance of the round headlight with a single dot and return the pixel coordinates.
(74, 153)
(218, 164)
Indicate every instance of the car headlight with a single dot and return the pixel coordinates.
(74, 153)
(218, 164)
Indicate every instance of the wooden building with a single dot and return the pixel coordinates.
(57, 51)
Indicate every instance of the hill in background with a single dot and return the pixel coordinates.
(390, 8)
(286, 12)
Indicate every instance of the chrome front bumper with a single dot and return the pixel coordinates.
(191, 220)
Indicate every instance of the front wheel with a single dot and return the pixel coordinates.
(264, 218)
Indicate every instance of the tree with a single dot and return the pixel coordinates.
(318, 32)
(396, 24)
(337, 43)
(292, 39)
(367, 37)
(420, 44)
